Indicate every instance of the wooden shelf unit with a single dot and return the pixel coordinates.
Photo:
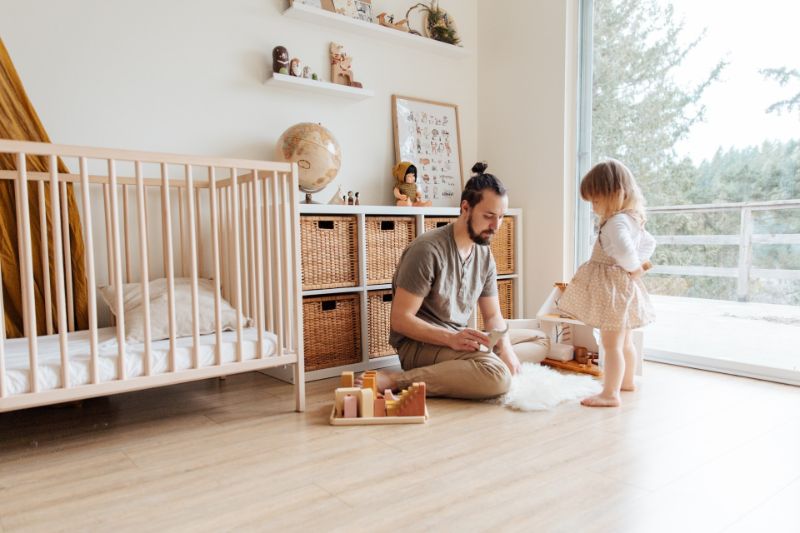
(361, 287)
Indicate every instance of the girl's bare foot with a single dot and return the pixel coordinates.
(628, 387)
(386, 379)
(601, 401)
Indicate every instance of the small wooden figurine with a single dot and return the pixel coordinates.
(307, 72)
(384, 19)
(357, 200)
(405, 190)
(280, 60)
(296, 68)
(342, 67)
(350, 199)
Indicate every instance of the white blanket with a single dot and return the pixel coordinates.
(49, 357)
(537, 387)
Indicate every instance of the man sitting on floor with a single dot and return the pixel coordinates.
(441, 276)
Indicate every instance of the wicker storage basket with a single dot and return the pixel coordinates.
(503, 247)
(329, 251)
(331, 330)
(379, 310)
(505, 293)
(387, 237)
(435, 222)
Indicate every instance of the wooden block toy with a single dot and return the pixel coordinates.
(369, 382)
(339, 395)
(367, 403)
(350, 406)
(354, 406)
(412, 403)
(380, 407)
(348, 379)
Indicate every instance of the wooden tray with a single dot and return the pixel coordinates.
(376, 420)
(574, 366)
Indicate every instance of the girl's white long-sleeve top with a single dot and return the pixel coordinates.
(626, 241)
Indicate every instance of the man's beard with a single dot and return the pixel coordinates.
(478, 238)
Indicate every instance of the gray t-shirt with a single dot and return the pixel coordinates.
(432, 268)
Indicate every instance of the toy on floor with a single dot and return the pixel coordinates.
(354, 406)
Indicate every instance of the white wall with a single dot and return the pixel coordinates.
(526, 88)
(187, 77)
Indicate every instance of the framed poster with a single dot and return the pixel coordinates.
(427, 134)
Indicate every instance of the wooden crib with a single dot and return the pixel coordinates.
(226, 230)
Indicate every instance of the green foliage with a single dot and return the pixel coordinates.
(639, 113)
(783, 76)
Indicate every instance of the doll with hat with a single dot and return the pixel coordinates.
(406, 191)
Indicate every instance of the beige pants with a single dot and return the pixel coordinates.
(446, 372)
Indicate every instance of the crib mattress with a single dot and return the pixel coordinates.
(49, 357)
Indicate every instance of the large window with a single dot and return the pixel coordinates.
(702, 101)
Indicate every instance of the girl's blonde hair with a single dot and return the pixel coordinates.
(612, 185)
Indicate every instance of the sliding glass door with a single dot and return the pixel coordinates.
(702, 101)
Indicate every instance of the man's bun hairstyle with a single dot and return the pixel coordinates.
(479, 182)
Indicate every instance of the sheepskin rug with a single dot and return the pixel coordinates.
(538, 387)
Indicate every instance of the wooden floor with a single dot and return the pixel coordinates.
(691, 451)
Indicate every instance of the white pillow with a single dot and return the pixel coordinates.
(159, 319)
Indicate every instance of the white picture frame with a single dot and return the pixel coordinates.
(427, 134)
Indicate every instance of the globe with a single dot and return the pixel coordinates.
(316, 152)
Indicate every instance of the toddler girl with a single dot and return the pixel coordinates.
(607, 291)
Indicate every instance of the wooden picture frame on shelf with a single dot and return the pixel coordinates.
(427, 133)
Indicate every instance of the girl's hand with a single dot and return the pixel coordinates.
(636, 274)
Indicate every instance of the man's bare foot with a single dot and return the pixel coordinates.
(386, 379)
(601, 401)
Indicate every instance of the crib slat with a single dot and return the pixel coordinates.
(276, 265)
(287, 257)
(251, 249)
(127, 234)
(45, 249)
(141, 206)
(229, 244)
(215, 229)
(237, 269)
(243, 248)
(117, 269)
(3, 392)
(255, 208)
(22, 256)
(168, 260)
(198, 232)
(270, 325)
(27, 272)
(87, 214)
(297, 294)
(55, 206)
(193, 269)
(181, 236)
(67, 257)
(109, 236)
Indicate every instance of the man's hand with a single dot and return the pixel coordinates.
(468, 340)
(506, 354)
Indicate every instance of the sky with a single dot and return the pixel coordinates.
(750, 36)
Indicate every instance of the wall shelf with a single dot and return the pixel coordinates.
(372, 30)
(317, 86)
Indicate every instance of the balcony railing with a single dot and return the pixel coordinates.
(744, 240)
